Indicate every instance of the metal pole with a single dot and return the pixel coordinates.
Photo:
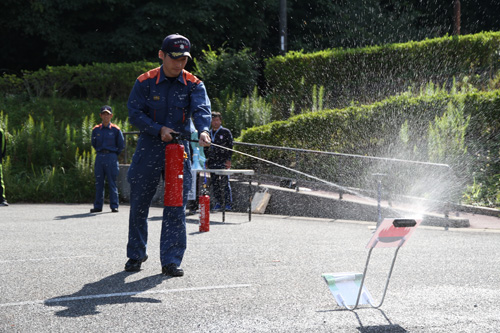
(379, 177)
(296, 175)
(379, 199)
(283, 27)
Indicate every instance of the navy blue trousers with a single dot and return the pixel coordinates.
(144, 174)
(106, 168)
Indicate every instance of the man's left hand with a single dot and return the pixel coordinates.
(228, 164)
(205, 140)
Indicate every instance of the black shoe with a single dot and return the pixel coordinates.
(133, 265)
(95, 210)
(114, 210)
(172, 270)
(4, 203)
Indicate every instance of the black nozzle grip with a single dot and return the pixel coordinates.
(404, 223)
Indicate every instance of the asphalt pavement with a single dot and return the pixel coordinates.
(62, 271)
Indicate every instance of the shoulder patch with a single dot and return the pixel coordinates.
(152, 74)
(97, 126)
(114, 126)
(190, 77)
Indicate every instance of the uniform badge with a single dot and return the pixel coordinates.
(156, 98)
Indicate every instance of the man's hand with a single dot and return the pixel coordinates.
(165, 134)
(205, 140)
(228, 164)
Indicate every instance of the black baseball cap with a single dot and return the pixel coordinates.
(176, 46)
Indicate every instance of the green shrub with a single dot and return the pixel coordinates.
(49, 162)
(241, 113)
(401, 127)
(226, 71)
(95, 81)
(370, 74)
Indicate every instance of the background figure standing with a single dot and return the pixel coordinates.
(3, 152)
(220, 158)
(163, 101)
(107, 140)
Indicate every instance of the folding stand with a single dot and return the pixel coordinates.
(345, 286)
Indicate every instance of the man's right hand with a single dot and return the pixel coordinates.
(165, 134)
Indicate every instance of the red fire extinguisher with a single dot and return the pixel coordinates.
(204, 207)
(174, 175)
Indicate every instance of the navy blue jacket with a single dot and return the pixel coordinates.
(217, 157)
(155, 102)
(108, 138)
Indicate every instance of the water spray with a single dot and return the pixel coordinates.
(342, 188)
(292, 170)
(336, 186)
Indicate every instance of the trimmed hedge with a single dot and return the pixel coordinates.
(376, 130)
(96, 81)
(369, 74)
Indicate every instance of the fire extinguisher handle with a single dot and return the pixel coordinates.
(176, 137)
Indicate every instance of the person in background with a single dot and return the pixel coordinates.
(163, 102)
(3, 152)
(220, 158)
(107, 140)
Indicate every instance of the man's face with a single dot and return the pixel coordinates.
(172, 67)
(106, 118)
(216, 122)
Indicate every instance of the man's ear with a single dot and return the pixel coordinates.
(161, 54)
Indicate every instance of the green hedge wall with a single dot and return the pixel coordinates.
(369, 74)
(375, 130)
(96, 81)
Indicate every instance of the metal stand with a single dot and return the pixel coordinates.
(364, 276)
(390, 233)
(228, 172)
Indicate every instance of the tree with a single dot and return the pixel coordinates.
(37, 33)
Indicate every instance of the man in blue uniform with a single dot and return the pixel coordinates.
(163, 101)
(107, 140)
(220, 158)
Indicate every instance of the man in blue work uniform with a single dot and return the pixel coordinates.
(162, 101)
(107, 140)
(220, 158)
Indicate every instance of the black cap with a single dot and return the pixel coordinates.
(107, 108)
(176, 46)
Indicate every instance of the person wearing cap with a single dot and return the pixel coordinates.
(163, 100)
(107, 140)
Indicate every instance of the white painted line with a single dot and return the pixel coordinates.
(130, 293)
(43, 259)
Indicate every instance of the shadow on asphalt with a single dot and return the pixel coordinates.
(390, 327)
(110, 290)
(79, 216)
